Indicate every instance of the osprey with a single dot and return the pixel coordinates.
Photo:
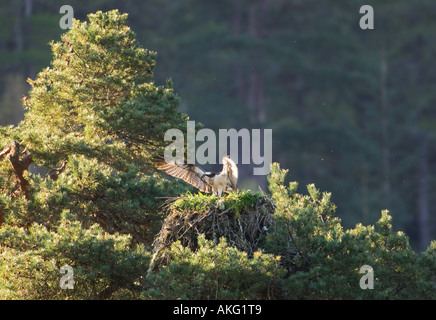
(216, 182)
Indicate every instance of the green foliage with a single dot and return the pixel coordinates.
(97, 99)
(326, 259)
(97, 111)
(93, 121)
(215, 271)
(104, 264)
(307, 255)
(235, 201)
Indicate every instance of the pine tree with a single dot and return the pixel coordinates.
(94, 119)
(326, 259)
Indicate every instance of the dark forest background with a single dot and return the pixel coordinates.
(351, 110)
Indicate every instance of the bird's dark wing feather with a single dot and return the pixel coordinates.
(187, 172)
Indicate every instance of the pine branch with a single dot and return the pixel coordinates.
(2, 216)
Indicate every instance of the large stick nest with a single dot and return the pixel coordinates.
(244, 228)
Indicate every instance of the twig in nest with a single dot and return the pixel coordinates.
(211, 212)
(168, 202)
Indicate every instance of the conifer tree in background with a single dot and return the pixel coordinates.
(328, 258)
(94, 120)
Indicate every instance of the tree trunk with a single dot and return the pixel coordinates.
(236, 28)
(257, 18)
(365, 192)
(386, 184)
(423, 212)
(18, 33)
(28, 8)
(19, 166)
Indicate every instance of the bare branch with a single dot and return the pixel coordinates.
(25, 150)
(5, 151)
(54, 173)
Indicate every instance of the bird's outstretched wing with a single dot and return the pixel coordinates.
(187, 172)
